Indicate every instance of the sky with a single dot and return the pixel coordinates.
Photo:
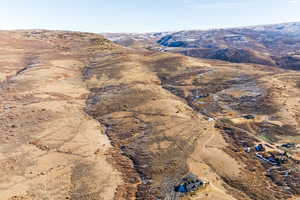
(143, 15)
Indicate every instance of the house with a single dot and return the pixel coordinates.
(190, 184)
(181, 188)
(260, 148)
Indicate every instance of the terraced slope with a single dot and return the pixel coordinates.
(83, 118)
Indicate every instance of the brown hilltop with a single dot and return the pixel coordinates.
(83, 118)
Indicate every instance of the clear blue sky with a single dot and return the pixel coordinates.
(143, 15)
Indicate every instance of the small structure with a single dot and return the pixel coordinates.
(249, 117)
(181, 188)
(289, 145)
(247, 149)
(210, 119)
(190, 184)
(198, 95)
(202, 96)
(273, 159)
(269, 160)
(260, 148)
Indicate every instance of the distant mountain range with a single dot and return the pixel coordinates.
(276, 45)
(136, 40)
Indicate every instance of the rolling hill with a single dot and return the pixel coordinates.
(84, 118)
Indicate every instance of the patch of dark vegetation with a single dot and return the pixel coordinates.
(111, 70)
(206, 106)
(258, 103)
(286, 177)
(255, 105)
(270, 132)
(228, 54)
(252, 193)
(179, 79)
(199, 98)
(256, 99)
(129, 175)
(212, 86)
(200, 102)
(274, 132)
(207, 93)
(174, 90)
(80, 188)
(235, 135)
(298, 84)
(240, 56)
(225, 121)
(29, 63)
(288, 62)
(197, 95)
(118, 98)
(167, 64)
(223, 79)
(108, 68)
(100, 41)
(87, 73)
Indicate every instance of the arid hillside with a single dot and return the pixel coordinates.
(85, 119)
